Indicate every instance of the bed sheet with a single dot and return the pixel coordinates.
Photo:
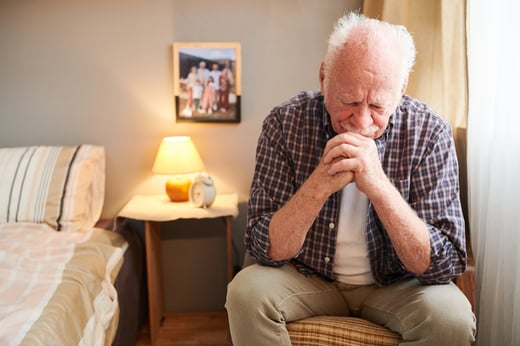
(57, 288)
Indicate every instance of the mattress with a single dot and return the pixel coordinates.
(57, 288)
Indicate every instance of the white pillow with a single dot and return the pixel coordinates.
(62, 186)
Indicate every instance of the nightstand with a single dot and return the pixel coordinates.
(154, 209)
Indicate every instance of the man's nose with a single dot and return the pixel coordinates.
(362, 117)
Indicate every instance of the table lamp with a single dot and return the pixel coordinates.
(177, 156)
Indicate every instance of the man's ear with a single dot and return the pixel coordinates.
(322, 76)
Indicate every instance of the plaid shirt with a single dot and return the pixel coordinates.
(417, 154)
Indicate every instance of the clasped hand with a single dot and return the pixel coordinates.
(350, 157)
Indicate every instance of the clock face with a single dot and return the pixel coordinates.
(197, 193)
(202, 192)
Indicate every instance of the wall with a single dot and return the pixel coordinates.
(101, 72)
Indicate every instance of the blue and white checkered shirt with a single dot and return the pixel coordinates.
(417, 154)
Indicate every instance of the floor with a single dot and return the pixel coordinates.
(186, 329)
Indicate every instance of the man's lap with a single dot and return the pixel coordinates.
(298, 296)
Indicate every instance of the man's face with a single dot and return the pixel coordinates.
(361, 92)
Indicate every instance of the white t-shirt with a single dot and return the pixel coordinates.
(351, 264)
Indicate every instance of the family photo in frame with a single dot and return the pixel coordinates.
(207, 81)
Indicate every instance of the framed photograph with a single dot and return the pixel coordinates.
(207, 81)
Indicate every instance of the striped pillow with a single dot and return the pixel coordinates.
(63, 187)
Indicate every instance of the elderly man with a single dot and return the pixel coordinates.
(354, 207)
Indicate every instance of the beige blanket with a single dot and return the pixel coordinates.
(56, 288)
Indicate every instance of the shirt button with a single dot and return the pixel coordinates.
(332, 225)
(327, 259)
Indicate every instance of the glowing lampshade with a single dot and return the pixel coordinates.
(177, 156)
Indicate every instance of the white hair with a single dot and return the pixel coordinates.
(346, 25)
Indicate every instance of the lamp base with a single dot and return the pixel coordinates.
(178, 188)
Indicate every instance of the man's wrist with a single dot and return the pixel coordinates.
(383, 193)
(314, 190)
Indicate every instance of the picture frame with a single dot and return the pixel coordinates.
(207, 79)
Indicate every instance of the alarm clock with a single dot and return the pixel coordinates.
(202, 191)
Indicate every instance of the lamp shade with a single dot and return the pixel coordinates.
(177, 155)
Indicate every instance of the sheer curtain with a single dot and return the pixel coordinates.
(494, 165)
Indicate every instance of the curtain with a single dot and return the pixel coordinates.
(494, 165)
(493, 141)
(437, 26)
(440, 73)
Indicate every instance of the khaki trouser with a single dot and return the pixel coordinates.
(261, 300)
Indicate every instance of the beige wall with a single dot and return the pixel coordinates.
(101, 72)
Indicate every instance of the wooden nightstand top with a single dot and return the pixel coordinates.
(160, 208)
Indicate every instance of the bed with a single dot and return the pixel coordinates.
(64, 278)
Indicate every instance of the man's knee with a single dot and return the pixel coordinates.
(443, 314)
(251, 304)
(452, 315)
(429, 315)
(248, 288)
(238, 292)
